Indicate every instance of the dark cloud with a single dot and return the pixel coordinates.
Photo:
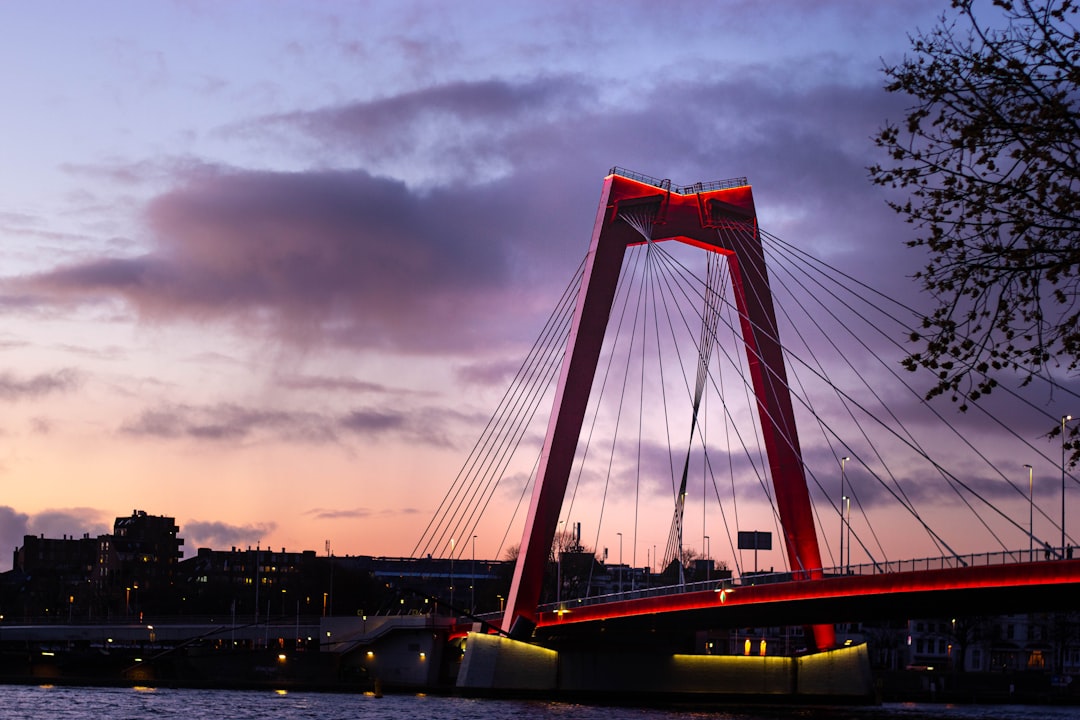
(232, 423)
(13, 526)
(333, 384)
(52, 523)
(392, 124)
(228, 422)
(72, 522)
(339, 514)
(357, 513)
(425, 425)
(372, 422)
(13, 388)
(473, 258)
(214, 534)
(325, 256)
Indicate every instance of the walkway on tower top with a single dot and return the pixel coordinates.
(666, 184)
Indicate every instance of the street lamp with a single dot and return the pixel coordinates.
(847, 502)
(843, 497)
(1031, 517)
(472, 581)
(1064, 419)
(708, 559)
(451, 575)
(620, 562)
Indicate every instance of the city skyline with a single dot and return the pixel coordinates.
(268, 268)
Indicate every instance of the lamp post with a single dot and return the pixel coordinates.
(1064, 419)
(1031, 516)
(451, 574)
(620, 562)
(472, 580)
(843, 497)
(708, 559)
(847, 503)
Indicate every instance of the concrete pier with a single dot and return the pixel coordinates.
(502, 665)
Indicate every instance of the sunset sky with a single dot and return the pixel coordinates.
(267, 267)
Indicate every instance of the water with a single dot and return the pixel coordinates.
(62, 703)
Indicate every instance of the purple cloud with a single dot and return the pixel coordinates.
(351, 258)
(372, 422)
(332, 384)
(14, 526)
(52, 523)
(356, 513)
(216, 534)
(228, 422)
(13, 388)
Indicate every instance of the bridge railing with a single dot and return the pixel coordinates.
(679, 189)
(1008, 557)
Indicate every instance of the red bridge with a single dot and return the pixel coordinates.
(638, 212)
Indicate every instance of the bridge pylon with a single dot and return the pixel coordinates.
(717, 217)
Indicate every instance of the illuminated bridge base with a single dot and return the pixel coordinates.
(500, 665)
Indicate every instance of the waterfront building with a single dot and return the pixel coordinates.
(55, 574)
(1041, 642)
(137, 563)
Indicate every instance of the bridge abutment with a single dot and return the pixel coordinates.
(497, 663)
(501, 665)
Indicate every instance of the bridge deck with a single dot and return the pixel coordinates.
(975, 590)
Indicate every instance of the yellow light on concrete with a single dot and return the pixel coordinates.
(423, 656)
(281, 657)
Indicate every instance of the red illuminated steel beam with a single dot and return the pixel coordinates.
(718, 220)
(902, 595)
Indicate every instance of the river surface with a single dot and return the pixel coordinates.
(60, 703)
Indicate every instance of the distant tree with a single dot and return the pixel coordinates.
(990, 154)
(689, 555)
(564, 541)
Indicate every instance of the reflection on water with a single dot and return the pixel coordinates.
(48, 702)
